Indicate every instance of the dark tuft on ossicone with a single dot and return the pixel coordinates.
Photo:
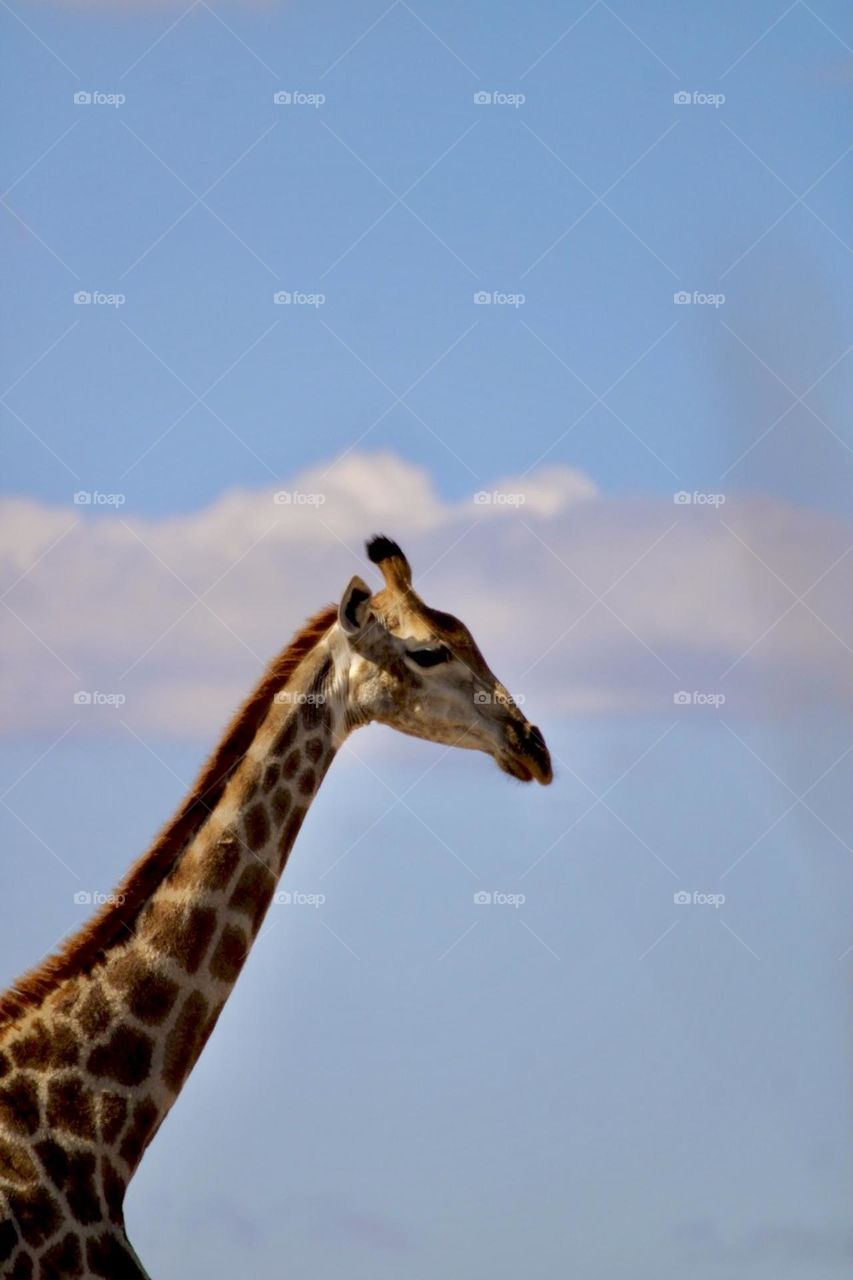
(380, 548)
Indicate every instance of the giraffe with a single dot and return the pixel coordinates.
(97, 1041)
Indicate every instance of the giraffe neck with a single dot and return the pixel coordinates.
(97, 1066)
(171, 980)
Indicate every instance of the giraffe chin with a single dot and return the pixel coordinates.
(526, 769)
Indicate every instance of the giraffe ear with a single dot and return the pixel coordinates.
(354, 610)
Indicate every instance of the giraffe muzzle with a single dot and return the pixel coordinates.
(526, 756)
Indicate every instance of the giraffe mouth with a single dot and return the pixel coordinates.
(515, 768)
(529, 760)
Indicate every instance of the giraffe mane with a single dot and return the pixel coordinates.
(82, 951)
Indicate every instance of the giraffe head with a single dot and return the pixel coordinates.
(420, 671)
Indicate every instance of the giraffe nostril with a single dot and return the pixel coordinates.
(536, 738)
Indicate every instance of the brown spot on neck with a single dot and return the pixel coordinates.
(125, 1058)
(289, 834)
(70, 1107)
(63, 1259)
(280, 804)
(73, 1173)
(113, 1113)
(140, 1132)
(186, 1039)
(114, 1188)
(23, 1268)
(108, 1256)
(307, 782)
(16, 1163)
(230, 954)
(257, 827)
(37, 1214)
(252, 893)
(290, 764)
(20, 1111)
(179, 932)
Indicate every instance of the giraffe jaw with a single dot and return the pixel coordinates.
(528, 762)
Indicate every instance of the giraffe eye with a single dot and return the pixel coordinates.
(430, 657)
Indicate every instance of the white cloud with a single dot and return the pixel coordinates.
(106, 601)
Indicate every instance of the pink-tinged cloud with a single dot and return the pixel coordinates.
(585, 605)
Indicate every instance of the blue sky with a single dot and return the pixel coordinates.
(599, 1080)
(491, 189)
